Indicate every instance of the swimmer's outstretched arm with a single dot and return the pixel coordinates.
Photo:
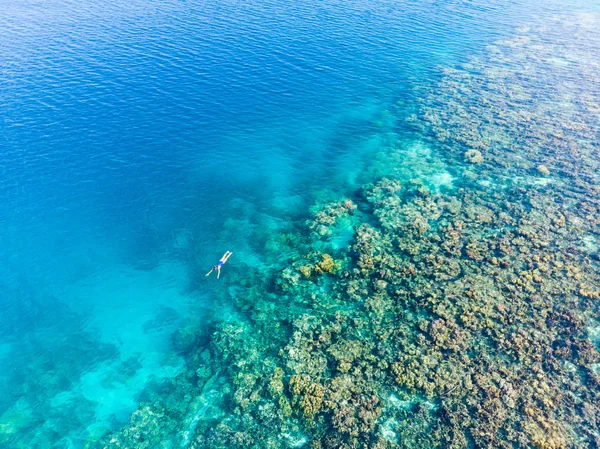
(218, 272)
(210, 271)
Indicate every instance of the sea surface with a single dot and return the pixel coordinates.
(140, 140)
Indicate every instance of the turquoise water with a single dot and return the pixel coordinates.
(141, 140)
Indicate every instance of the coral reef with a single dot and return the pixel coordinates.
(326, 216)
(456, 317)
(474, 156)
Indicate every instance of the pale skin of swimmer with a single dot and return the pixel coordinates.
(222, 261)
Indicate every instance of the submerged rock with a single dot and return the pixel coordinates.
(543, 170)
(474, 157)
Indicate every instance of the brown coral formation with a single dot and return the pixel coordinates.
(326, 216)
(325, 265)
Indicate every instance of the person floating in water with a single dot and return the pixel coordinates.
(222, 261)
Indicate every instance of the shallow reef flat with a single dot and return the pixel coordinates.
(405, 316)
(527, 111)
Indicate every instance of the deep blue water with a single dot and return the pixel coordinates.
(136, 136)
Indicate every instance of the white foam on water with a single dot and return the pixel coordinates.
(590, 244)
(559, 62)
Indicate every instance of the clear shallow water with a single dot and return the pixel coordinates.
(139, 141)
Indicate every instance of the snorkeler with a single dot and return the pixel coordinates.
(222, 261)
